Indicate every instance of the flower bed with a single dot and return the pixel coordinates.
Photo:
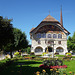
(52, 64)
(52, 67)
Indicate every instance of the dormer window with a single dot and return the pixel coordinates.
(38, 35)
(49, 36)
(54, 35)
(43, 35)
(59, 35)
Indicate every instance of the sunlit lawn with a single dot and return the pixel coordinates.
(71, 65)
(29, 67)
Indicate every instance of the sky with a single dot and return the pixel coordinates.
(27, 14)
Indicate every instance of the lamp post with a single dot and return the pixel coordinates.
(53, 49)
(52, 43)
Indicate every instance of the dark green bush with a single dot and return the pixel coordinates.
(53, 62)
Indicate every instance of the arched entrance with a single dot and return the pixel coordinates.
(49, 49)
(59, 49)
(38, 49)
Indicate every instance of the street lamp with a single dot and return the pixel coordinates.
(53, 49)
(52, 43)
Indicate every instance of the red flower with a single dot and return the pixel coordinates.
(53, 67)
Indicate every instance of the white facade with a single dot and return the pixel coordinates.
(49, 35)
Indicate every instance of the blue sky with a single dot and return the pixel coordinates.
(29, 13)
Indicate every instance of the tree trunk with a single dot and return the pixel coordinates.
(11, 54)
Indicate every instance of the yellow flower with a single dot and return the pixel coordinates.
(37, 72)
(43, 71)
(57, 71)
(64, 74)
(51, 69)
(70, 72)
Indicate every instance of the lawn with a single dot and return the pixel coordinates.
(29, 67)
(71, 65)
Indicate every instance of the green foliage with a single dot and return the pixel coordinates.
(52, 62)
(6, 34)
(28, 50)
(68, 54)
(30, 67)
(20, 39)
(44, 53)
(16, 53)
(71, 43)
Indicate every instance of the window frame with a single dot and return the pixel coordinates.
(55, 36)
(38, 35)
(43, 35)
(49, 36)
(59, 36)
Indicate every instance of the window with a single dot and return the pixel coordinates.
(50, 42)
(59, 42)
(38, 35)
(39, 42)
(59, 35)
(49, 35)
(59, 49)
(54, 35)
(43, 35)
(38, 50)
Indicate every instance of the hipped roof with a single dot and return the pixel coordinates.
(50, 18)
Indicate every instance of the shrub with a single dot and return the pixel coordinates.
(28, 50)
(68, 54)
(32, 53)
(53, 62)
(16, 53)
(44, 53)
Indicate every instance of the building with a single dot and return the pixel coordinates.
(49, 35)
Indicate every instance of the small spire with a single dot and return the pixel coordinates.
(61, 19)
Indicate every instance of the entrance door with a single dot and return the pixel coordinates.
(49, 49)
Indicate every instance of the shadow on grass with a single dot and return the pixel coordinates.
(28, 62)
(25, 69)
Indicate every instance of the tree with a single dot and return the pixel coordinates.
(6, 34)
(20, 39)
(71, 43)
(28, 50)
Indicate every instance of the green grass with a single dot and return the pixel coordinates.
(73, 56)
(70, 65)
(29, 67)
(60, 55)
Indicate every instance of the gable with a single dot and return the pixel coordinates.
(47, 28)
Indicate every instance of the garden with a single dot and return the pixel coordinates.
(34, 65)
